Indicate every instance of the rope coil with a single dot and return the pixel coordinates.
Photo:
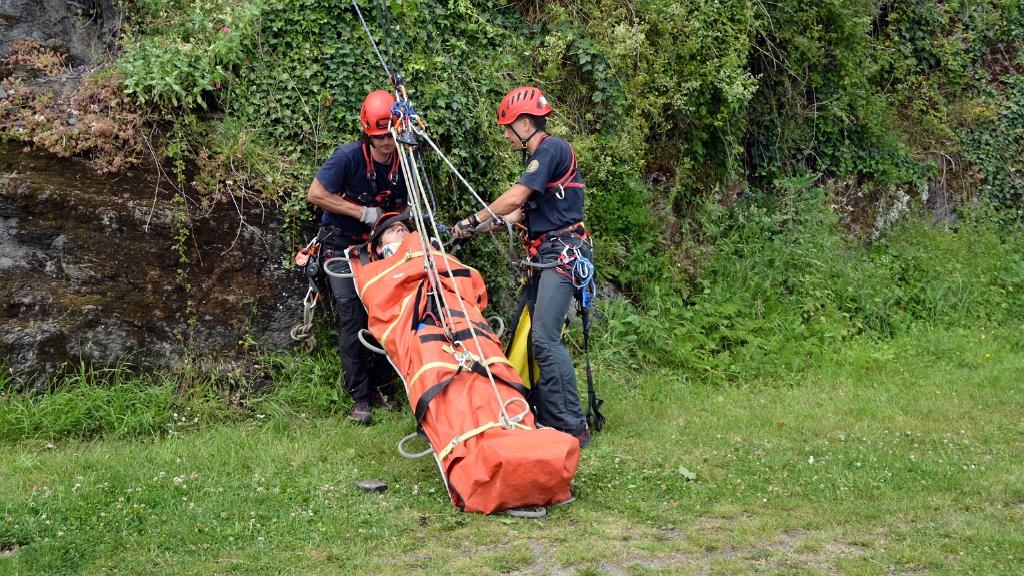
(303, 332)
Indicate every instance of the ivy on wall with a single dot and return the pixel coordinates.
(671, 105)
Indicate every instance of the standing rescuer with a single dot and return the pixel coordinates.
(359, 182)
(548, 201)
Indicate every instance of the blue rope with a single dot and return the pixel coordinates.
(581, 274)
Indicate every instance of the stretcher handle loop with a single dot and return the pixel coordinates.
(530, 512)
(413, 455)
(333, 274)
(526, 409)
(500, 330)
(364, 342)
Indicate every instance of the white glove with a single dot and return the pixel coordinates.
(370, 215)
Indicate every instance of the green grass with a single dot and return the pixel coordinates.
(903, 456)
(111, 402)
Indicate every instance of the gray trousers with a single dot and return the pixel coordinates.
(555, 397)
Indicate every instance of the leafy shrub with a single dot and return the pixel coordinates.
(181, 52)
(994, 144)
(781, 285)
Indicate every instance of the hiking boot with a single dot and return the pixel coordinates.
(583, 438)
(361, 413)
(379, 400)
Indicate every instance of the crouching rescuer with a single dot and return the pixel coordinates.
(354, 187)
(547, 202)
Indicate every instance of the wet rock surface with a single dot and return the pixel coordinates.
(91, 268)
(83, 29)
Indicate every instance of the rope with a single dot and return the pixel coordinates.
(494, 218)
(303, 332)
(582, 272)
(370, 36)
(384, 21)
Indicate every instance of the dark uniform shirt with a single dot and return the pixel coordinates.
(344, 173)
(551, 208)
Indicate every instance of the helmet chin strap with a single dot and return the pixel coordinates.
(524, 142)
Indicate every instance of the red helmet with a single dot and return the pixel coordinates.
(522, 100)
(376, 112)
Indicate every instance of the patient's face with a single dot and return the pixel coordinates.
(395, 233)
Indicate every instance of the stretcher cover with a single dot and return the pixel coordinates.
(496, 469)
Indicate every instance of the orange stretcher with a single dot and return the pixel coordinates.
(468, 399)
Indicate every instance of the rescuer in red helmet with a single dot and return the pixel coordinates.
(360, 181)
(548, 201)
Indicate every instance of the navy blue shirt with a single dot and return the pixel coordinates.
(344, 173)
(551, 208)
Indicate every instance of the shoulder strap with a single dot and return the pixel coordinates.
(566, 180)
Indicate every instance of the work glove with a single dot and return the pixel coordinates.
(370, 215)
(464, 229)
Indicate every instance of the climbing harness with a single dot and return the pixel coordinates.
(383, 199)
(574, 265)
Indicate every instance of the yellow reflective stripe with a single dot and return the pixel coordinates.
(387, 271)
(467, 435)
(401, 314)
(496, 360)
(431, 366)
(453, 366)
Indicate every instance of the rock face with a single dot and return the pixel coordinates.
(109, 270)
(114, 269)
(80, 28)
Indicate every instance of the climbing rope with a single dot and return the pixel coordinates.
(303, 332)
(493, 218)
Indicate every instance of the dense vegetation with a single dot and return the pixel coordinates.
(785, 132)
(766, 179)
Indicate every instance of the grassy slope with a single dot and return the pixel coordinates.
(904, 456)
